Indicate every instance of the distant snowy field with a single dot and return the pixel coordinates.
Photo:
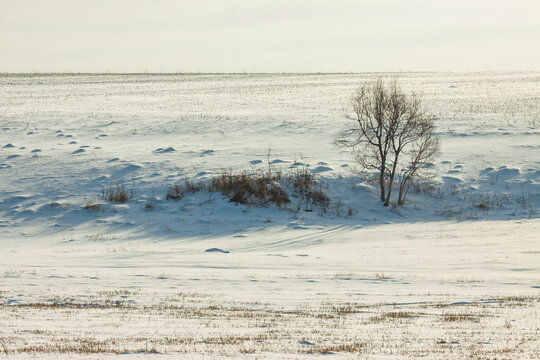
(458, 266)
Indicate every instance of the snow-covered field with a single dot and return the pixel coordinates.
(453, 274)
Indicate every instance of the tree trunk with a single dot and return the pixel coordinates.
(391, 180)
(381, 184)
(389, 193)
(402, 192)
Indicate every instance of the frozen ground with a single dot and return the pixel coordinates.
(453, 274)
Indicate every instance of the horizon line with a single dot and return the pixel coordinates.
(97, 73)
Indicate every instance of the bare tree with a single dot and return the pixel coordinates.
(420, 154)
(367, 134)
(385, 124)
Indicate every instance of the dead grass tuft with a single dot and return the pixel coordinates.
(93, 206)
(118, 193)
(307, 186)
(259, 188)
(394, 315)
(175, 192)
(351, 347)
(457, 317)
(178, 191)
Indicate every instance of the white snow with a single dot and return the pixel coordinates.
(469, 236)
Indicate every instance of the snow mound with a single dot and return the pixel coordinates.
(506, 173)
(216, 250)
(321, 169)
(164, 150)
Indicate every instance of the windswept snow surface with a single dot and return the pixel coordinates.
(469, 236)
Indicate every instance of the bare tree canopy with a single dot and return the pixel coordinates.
(390, 134)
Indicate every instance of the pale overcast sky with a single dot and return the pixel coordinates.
(268, 36)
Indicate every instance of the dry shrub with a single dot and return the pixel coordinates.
(306, 185)
(251, 189)
(93, 206)
(278, 195)
(177, 192)
(258, 187)
(174, 192)
(117, 194)
(193, 187)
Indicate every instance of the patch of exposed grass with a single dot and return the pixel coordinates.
(226, 326)
(259, 188)
(394, 315)
(93, 206)
(307, 186)
(118, 193)
(178, 191)
(174, 192)
(456, 317)
(351, 347)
